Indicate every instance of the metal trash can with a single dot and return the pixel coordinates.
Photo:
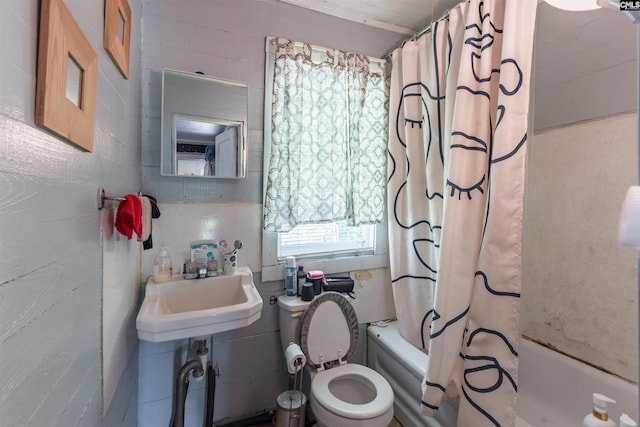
(291, 409)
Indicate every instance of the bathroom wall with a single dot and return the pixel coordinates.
(226, 39)
(51, 270)
(579, 287)
(249, 359)
(584, 65)
(52, 265)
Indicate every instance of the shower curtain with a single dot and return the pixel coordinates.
(457, 140)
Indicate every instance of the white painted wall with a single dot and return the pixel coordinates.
(51, 271)
(249, 359)
(51, 261)
(579, 287)
(584, 67)
(226, 39)
(120, 295)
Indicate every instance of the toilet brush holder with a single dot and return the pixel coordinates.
(292, 405)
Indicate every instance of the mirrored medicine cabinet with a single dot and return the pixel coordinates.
(204, 125)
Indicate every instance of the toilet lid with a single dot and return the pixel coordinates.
(328, 329)
(322, 394)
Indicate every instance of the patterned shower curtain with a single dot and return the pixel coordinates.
(458, 124)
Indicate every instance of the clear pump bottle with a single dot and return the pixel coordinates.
(162, 269)
(599, 417)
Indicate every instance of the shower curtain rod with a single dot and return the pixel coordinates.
(416, 36)
(419, 34)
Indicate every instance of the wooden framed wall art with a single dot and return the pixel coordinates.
(66, 76)
(117, 33)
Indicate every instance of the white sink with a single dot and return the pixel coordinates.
(199, 307)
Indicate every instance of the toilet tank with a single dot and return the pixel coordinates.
(289, 313)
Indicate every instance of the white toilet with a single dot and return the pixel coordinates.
(342, 394)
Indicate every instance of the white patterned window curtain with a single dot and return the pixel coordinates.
(457, 143)
(329, 138)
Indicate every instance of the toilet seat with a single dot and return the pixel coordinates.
(344, 391)
(322, 394)
(328, 330)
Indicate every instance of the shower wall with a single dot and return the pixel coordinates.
(579, 291)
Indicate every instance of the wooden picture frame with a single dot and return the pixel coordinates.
(117, 33)
(66, 76)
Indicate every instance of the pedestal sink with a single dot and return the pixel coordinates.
(199, 307)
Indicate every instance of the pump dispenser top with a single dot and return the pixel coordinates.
(627, 421)
(599, 416)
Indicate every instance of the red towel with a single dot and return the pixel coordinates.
(129, 216)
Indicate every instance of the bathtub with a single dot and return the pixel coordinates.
(553, 390)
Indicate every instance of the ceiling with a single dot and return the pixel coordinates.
(400, 16)
(576, 53)
(411, 16)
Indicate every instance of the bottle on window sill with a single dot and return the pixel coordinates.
(291, 288)
(301, 280)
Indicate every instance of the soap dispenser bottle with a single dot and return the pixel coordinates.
(162, 269)
(627, 421)
(599, 417)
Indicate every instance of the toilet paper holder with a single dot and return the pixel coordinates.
(294, 358)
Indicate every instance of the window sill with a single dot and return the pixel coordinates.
(328, 266)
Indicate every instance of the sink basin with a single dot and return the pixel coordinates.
(192, 308)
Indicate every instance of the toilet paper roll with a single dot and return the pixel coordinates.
(295, 358)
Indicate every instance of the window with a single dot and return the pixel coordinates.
(332, 262)
(325, 133)
(312, 241)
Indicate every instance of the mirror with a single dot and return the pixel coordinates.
(74, 81)
(203, 126)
